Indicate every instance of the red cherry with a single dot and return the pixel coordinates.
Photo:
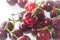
(43, 35)
(24, 27)
(24, 37)
(46, 22)
(56, 23)
(17, 32)
(53, 14)
(33, 32)
(28, 19)
(30, 6)
(48, 5)
(22, 3)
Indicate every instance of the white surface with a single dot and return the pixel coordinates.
(6, 10)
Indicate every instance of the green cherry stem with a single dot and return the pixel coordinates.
(57, 9)
(58, 16)
(6, 28)
(42, 29)
(15, 14)
(39, 4)
(15, 20)
(45, 28)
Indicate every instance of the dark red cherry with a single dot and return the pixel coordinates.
(24, 27)
(40, 14)
(56, 35)
(17, 32)
(53, 14)
(10, 25)
(28, 19)
(57, 3)
(56, 23)
(22, 3)
(48, 5)
(38, 26)
(33, 32)
(3, 34)
(24, 37)
(43, 35)
(46, 22)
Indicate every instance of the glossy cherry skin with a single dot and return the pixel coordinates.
(46, 22)
(30, 6)
(56, 35)
(24, 37)
(12, 2)
(56, 23)
(43, 35)
(33, 32)
(3, 34)
(53, 14)
(48, 5)
(22, 3)
(17, 32)
(28, 19)
(40, 14)
(24, 27)
(57, 3)
(10, 25)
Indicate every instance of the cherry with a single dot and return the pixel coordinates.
(24, 27)
(11, 2)
(53, 13)
(56, 23)
(57, 3)
(48, 5)
(40, 14)
(46, 22)
(38, 26)
(24, 37)
(43, 35)
(33, 32)
(9, 25)
(3, 34)
(22, 3)
(17, 32)
(56, 35)
(28, 19)
(30, 6)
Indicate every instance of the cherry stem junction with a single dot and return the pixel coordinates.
(6, 28)
(39, 4)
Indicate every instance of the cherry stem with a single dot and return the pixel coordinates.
(39, 4)
(6, 28)
(57, 9)
(15, 20)
(45, 28)
(42, 29)
(58, 16)
(15, 14)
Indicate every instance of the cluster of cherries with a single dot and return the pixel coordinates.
(34, 21)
